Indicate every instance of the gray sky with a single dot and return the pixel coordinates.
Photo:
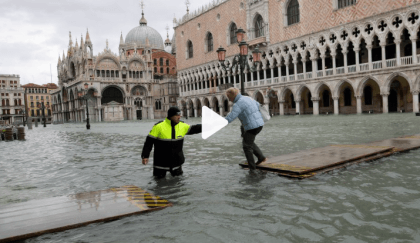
(33, 33)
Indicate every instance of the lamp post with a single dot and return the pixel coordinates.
(241, 59)
(42, 106)
(85, 95)
(22, 111)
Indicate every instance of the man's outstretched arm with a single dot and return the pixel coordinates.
(194, 129)
(148, 145)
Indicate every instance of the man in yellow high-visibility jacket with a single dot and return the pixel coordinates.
(168, 138)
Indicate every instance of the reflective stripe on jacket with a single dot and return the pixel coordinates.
(168, 140)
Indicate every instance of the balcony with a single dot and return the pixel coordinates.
(339, 71)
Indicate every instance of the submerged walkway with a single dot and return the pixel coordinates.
(33, 218)
(310, 162)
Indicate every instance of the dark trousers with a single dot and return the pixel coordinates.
(250, 148)
(159, 173)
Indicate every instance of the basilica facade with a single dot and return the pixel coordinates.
(318, 57)
(138, 82)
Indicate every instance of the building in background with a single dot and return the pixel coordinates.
(326, 56)
(35, 95)
(12, 99)
(138, 82)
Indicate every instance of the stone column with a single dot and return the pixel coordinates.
(99, 108)
(297, 106)
(188, 111)
(279, 71)
(333, 55)
(295, 62)
(304, 66)
(315, 101)
(258, 74)
(416, 101)
(385, 103)
(398, 45)
(287, 69)
(383, 54)
(357, 50)
(346, 70)
(414, 45)
(359, 104)
(323, 65)
(314, 66)
(369, 47)
(265, 73)
(281, 107)
(195, 111)
(272, 73)
(336, 105)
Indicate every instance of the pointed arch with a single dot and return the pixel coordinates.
(391, 77)
(362, 83)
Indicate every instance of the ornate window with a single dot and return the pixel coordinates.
(161, 62)
(190, 52)
(232, 33)
(209, 39)
(167, 62)
(293, 15)
(345, 3)
(259, 26)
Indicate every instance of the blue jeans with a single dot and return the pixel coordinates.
(250, 148)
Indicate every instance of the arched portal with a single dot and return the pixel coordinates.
(326, 105)
(139, 94)
(400, 98)
(259, 97)
(273, 104)
(289, 103)
(199, 109)
(371, 97)
(306, 104)
(113, 104)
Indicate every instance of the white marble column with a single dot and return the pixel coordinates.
(304, 66)
(195, 112)
(346, 70)
(416, 101)
(359, 104)
(188, 112)
(336, 105)
(272, 73)
(357, 50)
(323, 65)
(297, 107)
(383, 54)
(99, 108)
(295, 62)
(281, 107)
(385, 103)
(314, 66)
(369, 47)
(315, 102)
(221, 110)
(334, 62)
(279, 71)
(398, 45)
(414, 47)
(287, 69)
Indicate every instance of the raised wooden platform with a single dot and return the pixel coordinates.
(33, 218)
(308, 163)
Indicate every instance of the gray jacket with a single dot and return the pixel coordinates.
(248, 112)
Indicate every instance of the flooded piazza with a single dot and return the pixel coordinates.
(217, 201)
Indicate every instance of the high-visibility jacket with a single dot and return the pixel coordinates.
(168, 140)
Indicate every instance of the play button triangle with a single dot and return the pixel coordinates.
(211, 122)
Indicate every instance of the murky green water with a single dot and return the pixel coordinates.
(217, 201)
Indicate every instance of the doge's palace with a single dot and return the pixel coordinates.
(318, 57)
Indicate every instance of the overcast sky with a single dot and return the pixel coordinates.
(33, 33)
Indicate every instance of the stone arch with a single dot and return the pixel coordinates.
(318, 87)
(139, 90)
(398, 88)
(112, 95)
(346, 94)
(215, 104)
(338, 85)
(360, 86)
(385, 88)
(285, 6)
(101, 58)
(300, 90)
(283, 93)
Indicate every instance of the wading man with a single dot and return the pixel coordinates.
(248, 112)
(168, 138)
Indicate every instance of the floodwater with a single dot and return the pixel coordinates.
(217, 201)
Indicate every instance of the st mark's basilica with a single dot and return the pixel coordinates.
(139, 82)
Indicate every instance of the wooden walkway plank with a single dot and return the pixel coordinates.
(33, 218)
(305, 164)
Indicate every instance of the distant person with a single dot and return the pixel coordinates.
(247, 110)
(168, 138)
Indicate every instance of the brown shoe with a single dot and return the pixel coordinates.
(262, 161)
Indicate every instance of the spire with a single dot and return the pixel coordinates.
(70, 41)
(64, 57)
(107, 44)
(143, 21)
(82, 44)
(187, 3)
(77, 45)
(167, 41)
(121, 39)
(59, 59)
(87, 37)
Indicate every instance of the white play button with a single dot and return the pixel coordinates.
(211, 122)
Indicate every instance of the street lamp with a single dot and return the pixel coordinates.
(84, 95)
(22, 111)
(41, 106)
(241, 59)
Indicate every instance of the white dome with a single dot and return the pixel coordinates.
(140, 33)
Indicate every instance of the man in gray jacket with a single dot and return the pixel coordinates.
(248, 112)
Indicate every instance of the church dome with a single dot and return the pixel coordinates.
(140, 33)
